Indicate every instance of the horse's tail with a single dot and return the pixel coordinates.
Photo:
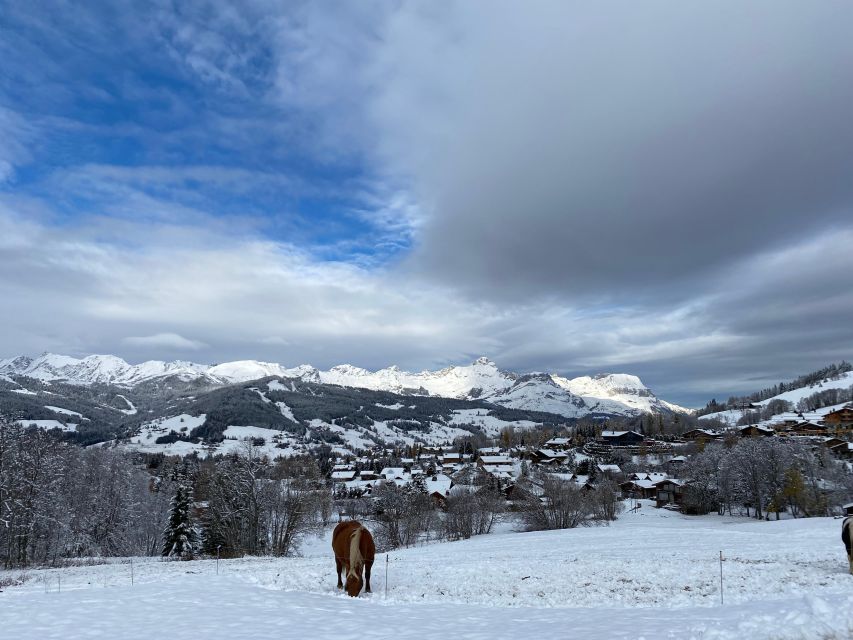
(355, 559)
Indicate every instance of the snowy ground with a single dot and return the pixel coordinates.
(652, 574)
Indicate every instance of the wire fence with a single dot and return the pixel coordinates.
(393, 570)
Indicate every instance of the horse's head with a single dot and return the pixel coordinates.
(354, 583)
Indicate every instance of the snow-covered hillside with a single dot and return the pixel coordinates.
(611, 394)
(651, 574)
(844, 381)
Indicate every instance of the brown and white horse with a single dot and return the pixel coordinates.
(354, 551)
(847, 536)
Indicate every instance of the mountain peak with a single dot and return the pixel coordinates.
(484, 361)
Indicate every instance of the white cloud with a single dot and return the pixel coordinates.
(167, 341)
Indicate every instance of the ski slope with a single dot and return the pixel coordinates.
(652, 574)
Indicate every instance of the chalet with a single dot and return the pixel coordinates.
(654, 476)
(393, 473)
(702, 435)
(840, 419)
(638, 489)
(343, 476)
(608, 470)
(548, 456)
(669, 492)
(558, 443)
(755, 431)
(489, 451)
(808, 428)
(451, 458)
(622, 438)
(484, 461)
(438, 488)
(787, 419)
(848, 508)
(843, 450)
(584, 483)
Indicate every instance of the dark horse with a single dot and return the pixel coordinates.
(847, 536)
(354, 550)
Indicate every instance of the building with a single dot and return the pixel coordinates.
(702, 435)
(755, 431)
(669, 492)
(622, 438)
(840, 419)
(547, 456)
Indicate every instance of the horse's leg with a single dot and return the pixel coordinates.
(369, 564)
(338, 567)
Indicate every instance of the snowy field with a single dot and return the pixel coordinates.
(652, 574)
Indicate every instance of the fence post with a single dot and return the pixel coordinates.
(721, 577)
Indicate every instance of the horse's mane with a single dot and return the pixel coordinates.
(355, 559)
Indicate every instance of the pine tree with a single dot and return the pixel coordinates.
(180, 538)
(419, 484)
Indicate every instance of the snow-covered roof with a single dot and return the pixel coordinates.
(496, 459)
(644, 484)
(604, 468)
(343, 475)
(547, 453)
(392, 472)
(655, 476)
(498, 469)
(489, 451)
(438, 483)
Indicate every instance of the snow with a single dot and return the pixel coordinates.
(286, 411)
(652, 574)
(131, 408)
(844, 381)
(276, 443)
(488, 424)
(67, 412)
(25, 392)
(620, 394)
(49, 424)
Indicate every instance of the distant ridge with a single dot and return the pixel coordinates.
(617, 394)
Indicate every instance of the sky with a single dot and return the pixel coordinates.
(657, 188)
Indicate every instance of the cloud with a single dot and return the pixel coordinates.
(608, 150)
(239, 297)
(656, 189)
(169, 341)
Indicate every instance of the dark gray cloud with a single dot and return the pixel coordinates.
(617, 150)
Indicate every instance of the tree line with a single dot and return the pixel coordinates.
(830, 372)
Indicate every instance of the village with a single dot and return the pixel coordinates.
(641, 466)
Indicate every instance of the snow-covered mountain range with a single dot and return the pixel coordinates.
(613, 394)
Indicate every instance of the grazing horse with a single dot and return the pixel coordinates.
(354, 551)
(847, 536)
